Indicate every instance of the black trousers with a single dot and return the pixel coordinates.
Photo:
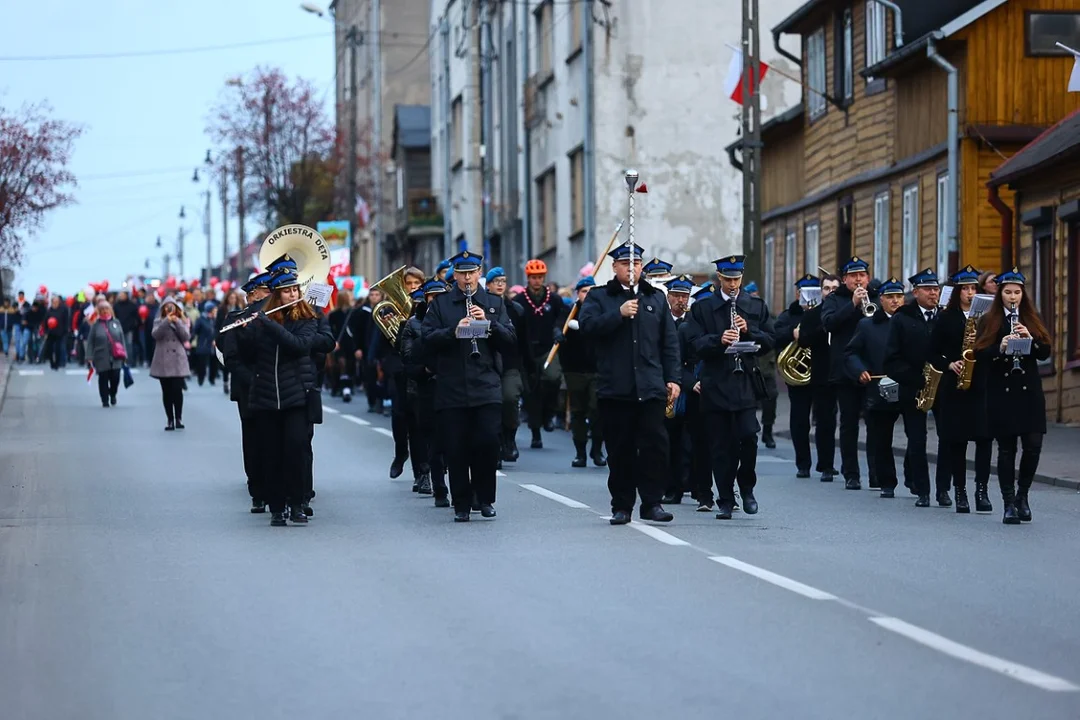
(801, 401)
(916, 469)
(956, 460)
(309, 466)
(172, 397)
(54, 350)
(427, 436)
(733, 449)
(249, 441)
(637, 448)
(1006, 463)
(419, 444)
(399, 416)
(850, 399)
(825, 426)
(108, 382)
(285, 443)
(470, 441)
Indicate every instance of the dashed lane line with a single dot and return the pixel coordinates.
(544, 492)
(383, 431)
(332, 411)
(657, 534)
(771, 577)
(355, 420)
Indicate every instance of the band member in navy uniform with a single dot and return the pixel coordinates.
(906, 354)
(242, 375)
(865, 362)
(468, 394)
(731, 384)
(788, 327)
(840, 314)
(701, 472)
(578, 360)
(812, 334)
(637, 373)
(1014, 391)
(960, 415)
(513, 383)
(678, 297)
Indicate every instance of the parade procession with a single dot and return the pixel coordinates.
(515, 358)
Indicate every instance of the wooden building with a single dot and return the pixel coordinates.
(1041, 234)
(860, 167)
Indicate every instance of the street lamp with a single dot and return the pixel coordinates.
(311, 8)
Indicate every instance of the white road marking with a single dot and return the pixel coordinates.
(771, 577)
(354, 419)
(568, 502)
(772, 459)
(332, 411)
(26, 373)
(963, 652)
(383, 431)
(500, 473)
(76, 372)
(657, 534)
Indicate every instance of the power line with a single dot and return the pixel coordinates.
(135, 173)
(147, 53)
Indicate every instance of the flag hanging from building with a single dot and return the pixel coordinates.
(735, 82)
(1074, 79)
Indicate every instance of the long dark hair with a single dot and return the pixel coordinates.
(299, 311)
(954, 298)
(990, 324)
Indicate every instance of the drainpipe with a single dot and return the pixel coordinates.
(526, 226)
(448, 194)
(1006, 226)
(898, 22)
(782, 51)
(589, 154)
(954, 140)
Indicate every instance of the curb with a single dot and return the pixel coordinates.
(932, 457)
(5, 373)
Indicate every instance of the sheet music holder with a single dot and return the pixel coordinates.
(946, 293)
(980, 304)
(475, 329)
(1018, 346)
(743, 346)
(318, 294)
(810, 296)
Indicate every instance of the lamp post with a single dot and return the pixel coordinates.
(180, 243)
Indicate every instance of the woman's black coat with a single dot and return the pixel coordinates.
(958, 414)
(1015, 401)
(281, 357)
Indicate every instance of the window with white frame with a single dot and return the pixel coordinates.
(400, 188)
(815, 73)
(770, 268)
(790, 256)
(881, 236)
(943, 246)
(910, 233)
(811, 247)
(875, 33)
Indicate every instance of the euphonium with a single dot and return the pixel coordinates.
(394, 309)
(931, 378)
(793, 364)
(967, 356)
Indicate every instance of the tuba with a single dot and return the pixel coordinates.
(396, 306)
(305, 246)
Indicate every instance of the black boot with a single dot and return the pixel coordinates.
(508, 451)
(257, 505)
(943, 499)
(1023, 510)
(983, 506)
(297, 514)
(597, 455)
(962, 506)
(579, 459)
(425, 484)
(767, 438)
(513, 450)
(537, 441)
(277, 519)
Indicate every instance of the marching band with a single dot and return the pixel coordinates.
(665, 375)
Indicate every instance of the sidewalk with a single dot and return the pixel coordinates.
(5, 369)
(1059, 463)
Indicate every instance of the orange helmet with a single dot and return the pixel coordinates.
(536, 267)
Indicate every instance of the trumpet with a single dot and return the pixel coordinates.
(245, 320)
(869, 309)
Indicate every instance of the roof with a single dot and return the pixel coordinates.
(790, 115)
(412, 126)
(1058, 144)
(920, 16)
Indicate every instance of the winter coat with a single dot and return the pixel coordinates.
(1016, 402)
(540, 331)
(812, 335)
(840, 316)
(170, 356)
(281, 355)
(908, 349)
(99, 348)
(958, 414)
(866, 353)
(576, 354)
(203, 334)
(635, 358)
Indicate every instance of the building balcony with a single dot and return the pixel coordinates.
(421, 211)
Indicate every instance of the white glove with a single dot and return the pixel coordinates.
(572, 325)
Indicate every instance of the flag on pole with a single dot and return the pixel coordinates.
(735, 83)
(1074, 79)
(90, 374)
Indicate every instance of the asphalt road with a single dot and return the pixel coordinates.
(134, 584)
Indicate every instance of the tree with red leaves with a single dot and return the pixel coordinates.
(35, 150)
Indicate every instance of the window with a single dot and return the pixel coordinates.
(1043, 292)
(811, 247)
(1073, 306)
(943, 247)
(400, 188)
(545, 40)
(577, 22)
(881, 237)
(770, 269)
(815, 74)
(845, 65)
(1044, 29)
(457, 129)
(577, 191)
(875, 33)
(910, 232)
(789, 266)
(545, 210)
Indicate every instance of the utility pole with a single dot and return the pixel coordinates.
(475, 122)
(352, 37)
(180, 250)
(751, 137)
(589, 148)
(223, 273)
(168, 260)
(376, 107)
(206, 229)
(241, 271)
(448, 228)
(487, 104)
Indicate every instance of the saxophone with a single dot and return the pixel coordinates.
(967, 356)
(931, 378)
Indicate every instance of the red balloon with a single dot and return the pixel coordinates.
(225, 286)
(161, 292)
(214, 281)
(52, 323)
(170, 282)
(194, 283)
(349, 284)
(70, 300)
(183, 287)
(144, 311)
(104, 286)
(42, 290)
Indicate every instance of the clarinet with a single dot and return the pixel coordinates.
(1014, 318)
(469, 292)
(734, 314)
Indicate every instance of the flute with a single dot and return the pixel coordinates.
(244, 321)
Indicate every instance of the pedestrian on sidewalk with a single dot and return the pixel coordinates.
(172, 331)
(105, 349)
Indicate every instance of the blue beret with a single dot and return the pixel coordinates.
(752, 287)
(442, 266)
(587, 281)
(493, 273)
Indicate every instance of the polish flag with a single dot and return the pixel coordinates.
(735, 83)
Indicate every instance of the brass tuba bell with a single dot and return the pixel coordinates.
(396, 306)
(793, 364)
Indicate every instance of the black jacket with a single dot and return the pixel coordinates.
(418, 371)
(721, 387)
(1017, 403)
(576, 353)
(280, 356)
(839, 316)
(465, 381)
(866, 353)
(635, 358)
(242, 374)
(908, 349)
(538, 333)
(958, 414)
(127, 312)
(321, 346)
(812, 334)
